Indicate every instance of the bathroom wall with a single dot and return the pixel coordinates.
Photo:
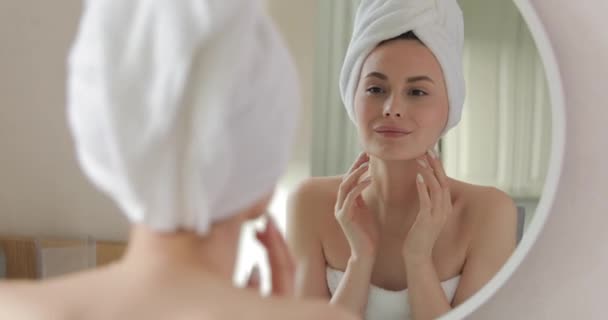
(564, 275)
(42, 190)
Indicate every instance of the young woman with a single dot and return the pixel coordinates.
(175, 108)
(395, 238)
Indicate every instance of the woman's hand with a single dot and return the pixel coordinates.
(435, 207)
(357, 222)
(362, 232)
(280, 260)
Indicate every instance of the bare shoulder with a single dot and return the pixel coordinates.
(485, 208)
(313, 198)
(317, 189)
(72, 296)
(235, 303)
(317, 310)
(487, 202)
(25, 300)
(300, 309)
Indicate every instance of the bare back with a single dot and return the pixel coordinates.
(120, 293)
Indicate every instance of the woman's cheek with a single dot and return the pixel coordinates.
(363, 115)
(432, 121)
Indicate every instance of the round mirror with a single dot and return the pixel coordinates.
(512, 129)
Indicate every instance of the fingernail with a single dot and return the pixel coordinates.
(432, 153)
(420, 178)
(422, 163)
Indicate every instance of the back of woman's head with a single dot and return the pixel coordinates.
(183, 112)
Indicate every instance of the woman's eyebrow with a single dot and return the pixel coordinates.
(376, 74)
(381, 76)
(419, 78)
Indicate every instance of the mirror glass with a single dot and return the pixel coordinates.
(504, 137)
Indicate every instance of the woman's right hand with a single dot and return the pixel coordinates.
(354, 216)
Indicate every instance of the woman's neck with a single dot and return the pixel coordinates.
(214, 253)
(393, 195)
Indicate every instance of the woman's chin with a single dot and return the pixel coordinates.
(394, 154)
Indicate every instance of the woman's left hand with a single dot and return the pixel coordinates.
(280, 260)
(435, 207)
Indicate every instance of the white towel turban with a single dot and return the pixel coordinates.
(182, 111)
(437, 23)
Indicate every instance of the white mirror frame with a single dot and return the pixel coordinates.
(554, 82)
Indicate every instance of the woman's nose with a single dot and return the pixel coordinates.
(394, 108)
(389, 114)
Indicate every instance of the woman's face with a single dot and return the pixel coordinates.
(401, 101)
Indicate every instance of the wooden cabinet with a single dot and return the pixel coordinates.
(38, 258)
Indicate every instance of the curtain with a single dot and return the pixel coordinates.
(334, 140)
(504, 137)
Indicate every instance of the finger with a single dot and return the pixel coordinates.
(356, 192)
(283, 283)
(442, 178)
(253, 282)
(423, 194)
(447, 200)
(436, 193)
(280, 260)
(281, 245)
(437, 166)
(361, 159)
(349, 183)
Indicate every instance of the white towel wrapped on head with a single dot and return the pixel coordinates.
(182, 111)
(437, 23)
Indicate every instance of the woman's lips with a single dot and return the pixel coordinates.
(391, 132)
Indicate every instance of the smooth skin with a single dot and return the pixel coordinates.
(176, 275)
(395, 219)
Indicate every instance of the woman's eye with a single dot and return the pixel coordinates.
(374, 90)
(417, 93)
